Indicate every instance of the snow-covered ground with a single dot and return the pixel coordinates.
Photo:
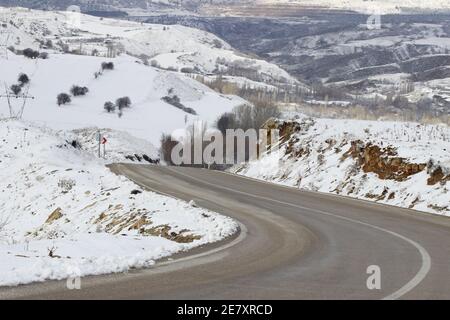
(169, 46)
(64, 214)
(321, 157)
(378, 6)
(148, 116)
(120, 147)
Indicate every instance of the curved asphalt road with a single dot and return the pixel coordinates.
(293, 245)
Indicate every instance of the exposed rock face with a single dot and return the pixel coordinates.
(287, 130)
(383, 161)
(286, 127)
(437, 174)
(55, 215)
(184, 236)
(371, 158)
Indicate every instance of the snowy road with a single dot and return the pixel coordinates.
(295, 245)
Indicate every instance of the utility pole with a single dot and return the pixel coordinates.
(99, 138)
(4, 36)
(8, 97)
(101, 141)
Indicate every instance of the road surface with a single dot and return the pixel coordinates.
(293, 245)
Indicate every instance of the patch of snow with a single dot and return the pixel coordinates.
(66, 215)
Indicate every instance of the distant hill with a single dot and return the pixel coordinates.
(384, 6)
(85, 5)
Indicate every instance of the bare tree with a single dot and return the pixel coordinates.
(226, 121)
(263, 112)
(244, 117)
(167, 145)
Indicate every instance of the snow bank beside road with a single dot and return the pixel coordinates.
(120, 147)
(401, 164)
(64, 214)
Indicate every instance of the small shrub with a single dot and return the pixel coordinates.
(63, 98)
(109, 107)
(154, 64)
(144, 58)
(107, 66)
(186, 70)
(49, 44)
(175, 101)
(217, 43)
(23, 79)
(16, 89)
(64, 46)
(123, 102)
(66, 185)
(43, 55)
(226, 121)
(79, 91)
(30, 53)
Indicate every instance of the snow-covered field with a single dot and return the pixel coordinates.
(64, 214)
(148, 116)
(388, 162)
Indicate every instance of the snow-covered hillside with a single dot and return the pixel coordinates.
(64, 214)
(168, 46)
(401, 164)
(148, 116)
(188, 7)
(366, 6)
(145, 71)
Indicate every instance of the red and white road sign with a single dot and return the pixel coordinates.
(104, 140)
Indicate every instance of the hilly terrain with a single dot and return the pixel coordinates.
(63, 213)
(236, 6)
(403, 65)
(152, 66)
